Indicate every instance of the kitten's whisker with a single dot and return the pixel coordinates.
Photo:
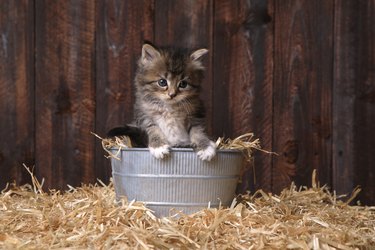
(181, 105)
(190, 105)
(186, 106)
(156, 103)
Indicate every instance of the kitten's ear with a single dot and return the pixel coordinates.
(149, 54)
(198, 54)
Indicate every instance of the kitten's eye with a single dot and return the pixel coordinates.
(162, 82)
(183, 84)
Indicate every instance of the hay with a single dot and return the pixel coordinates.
(118, 142)
(245, 143)
(88, 217)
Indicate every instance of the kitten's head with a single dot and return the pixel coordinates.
(170, 75)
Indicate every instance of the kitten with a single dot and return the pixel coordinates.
(168, 112)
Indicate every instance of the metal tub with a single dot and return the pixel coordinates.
(181, 181)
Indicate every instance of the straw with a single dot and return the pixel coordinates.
(245, 143)
(89, 217)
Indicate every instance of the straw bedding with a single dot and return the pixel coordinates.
(245, 143)
(88, 217)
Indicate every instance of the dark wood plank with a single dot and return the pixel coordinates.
(354, 99)
(259, 28)
(188, 24)
(122, 28)
(243, 79)
(16, 90)
(183, 23)
(302, 92)
(64, 103)
(226, 22)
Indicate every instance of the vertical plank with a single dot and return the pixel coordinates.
(227, 23)
(188, 24)
(65, 105)
(183, 23)
(243, 75)
(354, 99)
(259, 28)
(302, 91)
(122, 28)
(16, 90)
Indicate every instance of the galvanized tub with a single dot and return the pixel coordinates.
(181, 181)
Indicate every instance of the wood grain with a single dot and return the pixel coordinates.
(242, 74)
(302, 92)
(223, 31)
(259, 33)
(64, 103)
(16, 90)
(122, 28)
(354, 99)
(297, 73)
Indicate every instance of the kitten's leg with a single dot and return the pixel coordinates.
(206, 148)
(158, 146)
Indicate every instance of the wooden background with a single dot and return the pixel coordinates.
(300, 74)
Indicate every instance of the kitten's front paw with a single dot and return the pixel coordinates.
(160, 152)
(208, 153)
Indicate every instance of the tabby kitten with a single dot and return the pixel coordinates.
(167, 109)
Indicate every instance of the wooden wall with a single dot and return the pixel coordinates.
(297, 73)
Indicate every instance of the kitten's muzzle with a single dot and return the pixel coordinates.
(172, 94)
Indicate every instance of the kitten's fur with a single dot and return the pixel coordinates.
(167, 109)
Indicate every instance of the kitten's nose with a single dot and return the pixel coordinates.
(172, 94)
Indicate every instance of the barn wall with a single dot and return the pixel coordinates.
(299, 74)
